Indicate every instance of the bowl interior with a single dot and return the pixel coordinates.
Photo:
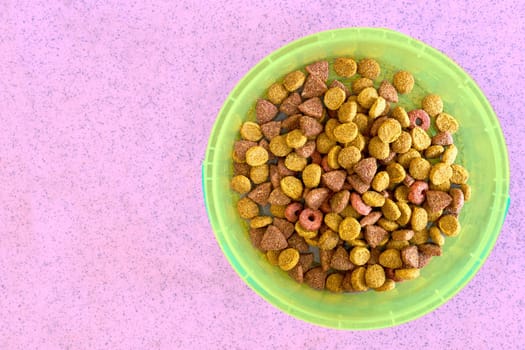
(481, 150)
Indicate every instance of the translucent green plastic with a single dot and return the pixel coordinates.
(482, 151)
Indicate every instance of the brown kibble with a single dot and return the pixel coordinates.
(313, 87)
(297, 273)
(337, 83)
(271, 129)
(340, 260)
(277, 197)
(319, 68)
(294, 80)
(289, 104)
(339, 201)
(325, 256)
(403, 82)
(316, 197)
(369, 68)
(374, 235)
(334, 180)
(273, 239)
(410, 256)
(241, 169)
(285, 226)
(291, 123)
(261, 193)
(443, 139)
(432, 104)
(315, 278)
(265, 111)
(357, 183)
(307, 150)
(297, 242)
(388, 91)
(240, 148)
(312, 107)
(437, 200)
(345, 67)
(256, 235)
(310, 126)
(430, 249)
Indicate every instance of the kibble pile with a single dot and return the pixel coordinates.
(341, 169)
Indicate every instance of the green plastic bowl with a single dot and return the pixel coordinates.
(481, 147)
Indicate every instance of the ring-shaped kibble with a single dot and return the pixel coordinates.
(419, 117)
(292, 211)
(416, 192)
(311, 219)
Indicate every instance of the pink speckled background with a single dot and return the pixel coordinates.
(105, 111)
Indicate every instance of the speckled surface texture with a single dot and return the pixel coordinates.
(106, 108)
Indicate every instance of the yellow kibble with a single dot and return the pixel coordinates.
(273, 257)
(403, 143)
(360, 84)
(295, 139)
(334, 98)
(403, 82)
(349, 229)
(334, 283)
(251, 131)
(367, 97)
(292, 187)
(345, 132)
(328, 240)
(440, 173)
(445, 186)
(348, 156)
(361, 120)
(311, 241)
(301, 231)
(277, 93)
(405, 158)
(359, 255)
(288, 259)
(294, 162)
(401, 115)
(261, 221)
(467, 191)
(345, 67)
(388, 225)
(436, 236)
(388, 285)
(401, 193)
(332, 156)
(378, 149)
(420, 237)
(419, 219)
(241, 184)
(347, 112)
(446, 122)
(449, 225)
(278, 210)
(375, 276)
(406, 213)
(407, 274)
(389, 130)
(359, 142)
(377, 108)
(419, 168)
(391, 210)
(434, 151)
(396, 173)
(369, 68)
(397, 245)
(247, 208)
(279, 147)
(391, 258)
(459, 175)
(380, 181)
(312, 175)
(449, 156)
(349, 211)
(333, 220)
(329, 127)
(294, 80)
(259, 174)
(357, 279)
(373, 199)
(324, 143)
(420, 139)
(432, 104)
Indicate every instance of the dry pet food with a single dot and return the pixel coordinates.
(342, 186)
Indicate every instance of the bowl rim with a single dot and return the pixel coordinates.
(295, 311)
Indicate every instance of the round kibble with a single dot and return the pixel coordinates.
(440, 173)
(401, 115)
(334, 283)
(294, 80)
(349, 229)
(288, 259)
(449, 225)
(361, 120)
(369, 68)
(358, 279)
(467, 191)
(373, 199)
(391, 258)
(432, 104)
(367, 97)
(359, 256)
(259, 174)
(378, 149)
(334, 98)
(279, 147)
(345, 132)
(388, 285)
(277, 93)
(420, 237)
(347, 111)
(348, 156)
(377, 108)
(406, 213)
(436, 236)
(419, 219)
(391, 210)
(345, 67)
(403, 82)
(292, 187)
(241, 184)
(405, 158)
(247, 208)
(332, 156)
(388, 225)
(278, 210)
(261, 221)
(434, 151)
(381, 181)
(389, 131)
(360, 84)
(294, 162)
(324, 143)
(420, 139)
(396, 173)
(312, 175)
(403, 143)
(273, 257)
(419, 168)
(328, 240)
(450, 154)
(329, 127)
(375, 276)
(333, 221)
(459, 175)
(251, 131)
(446, 122)
(407, 274)
(295, 139)
(301, 231)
